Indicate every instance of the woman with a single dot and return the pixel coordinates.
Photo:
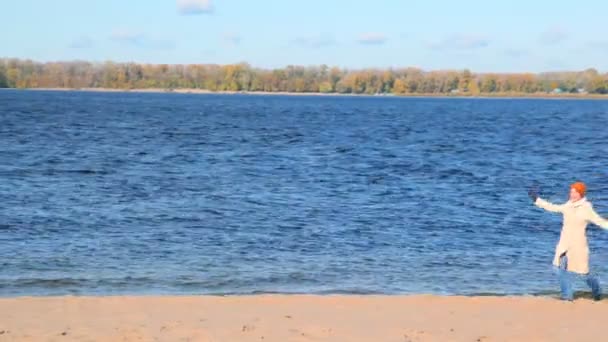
(572, 251)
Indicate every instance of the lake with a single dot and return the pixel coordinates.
(127, 193)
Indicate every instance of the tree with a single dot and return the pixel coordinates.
(13, 76)
(3, 81)
(325, 87)
(489, 84)
(465, 80)
(335, 75)
(598, 85)
(451, 82)
(243, 77)
(388, 81)
(399, 87)
(473, 87)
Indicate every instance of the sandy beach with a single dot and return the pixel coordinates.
(300, 318)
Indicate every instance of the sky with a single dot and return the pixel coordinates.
(484, 36)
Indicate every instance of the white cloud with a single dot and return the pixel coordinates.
(460, 42)
(553, 36)
(194, 6)
(372, 38)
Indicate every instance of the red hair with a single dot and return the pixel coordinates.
(580, 187)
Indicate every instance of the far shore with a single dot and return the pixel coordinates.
(300, 318)
(431, 95)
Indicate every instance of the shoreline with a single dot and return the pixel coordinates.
(300, 318)
(267, 93)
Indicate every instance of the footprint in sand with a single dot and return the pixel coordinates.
(412, 336)
(302, 334)
(248, 328)
(170, 325)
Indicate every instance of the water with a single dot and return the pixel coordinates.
(109, 193)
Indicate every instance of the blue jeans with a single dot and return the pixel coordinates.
(565, 281)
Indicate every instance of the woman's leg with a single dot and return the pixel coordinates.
(594, 284)
(565, 279)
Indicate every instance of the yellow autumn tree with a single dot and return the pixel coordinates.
(399, 87)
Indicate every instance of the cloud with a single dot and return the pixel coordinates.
(315, 42)
(461, 42)
(82, 43)
(371, 38)
(231, 38)
(553, 36)
(140, 40)
(186, 7)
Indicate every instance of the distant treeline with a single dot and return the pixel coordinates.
(18, 73)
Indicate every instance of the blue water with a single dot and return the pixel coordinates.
(124, 193)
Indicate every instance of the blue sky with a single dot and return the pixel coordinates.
(502, 36)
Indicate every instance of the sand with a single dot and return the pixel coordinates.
(301, 318)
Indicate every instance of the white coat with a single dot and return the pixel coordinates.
(573, 238)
